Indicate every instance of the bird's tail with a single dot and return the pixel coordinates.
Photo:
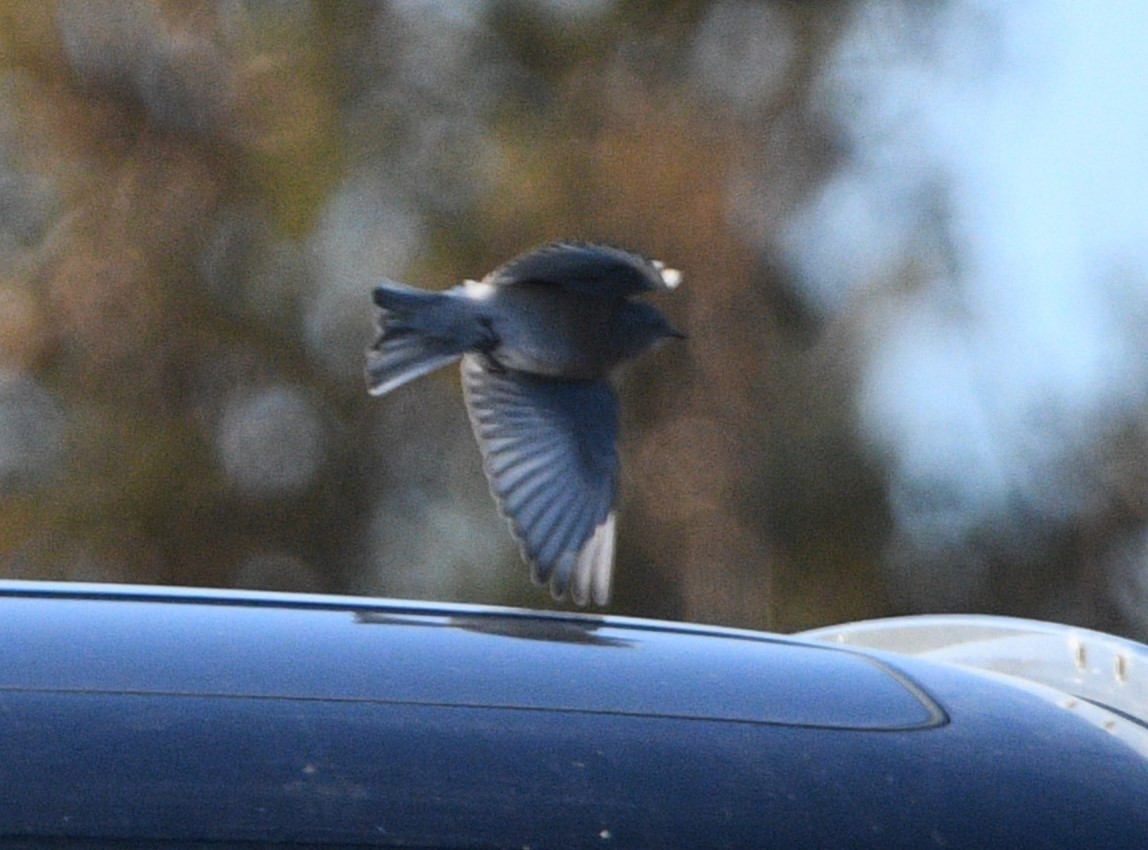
(416, 336)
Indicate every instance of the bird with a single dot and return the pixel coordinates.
(538, 339)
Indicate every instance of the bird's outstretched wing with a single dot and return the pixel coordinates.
(549, 447)
(587, 268)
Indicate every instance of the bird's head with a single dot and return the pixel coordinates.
(643, 327)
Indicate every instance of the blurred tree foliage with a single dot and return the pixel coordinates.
(196, 197)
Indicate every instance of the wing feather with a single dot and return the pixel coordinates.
(549, 450)
(589, 268)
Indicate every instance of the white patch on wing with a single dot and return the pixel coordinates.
(670, 277)
(479, 290)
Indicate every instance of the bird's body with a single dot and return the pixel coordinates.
(538, 338)
(542, 329)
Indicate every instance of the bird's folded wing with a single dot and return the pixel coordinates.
(549, 447)
(589, 269)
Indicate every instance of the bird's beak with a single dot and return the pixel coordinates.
(674, 333)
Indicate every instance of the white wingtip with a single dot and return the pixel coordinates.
(604, 565)
(595, 566)
(670, 277)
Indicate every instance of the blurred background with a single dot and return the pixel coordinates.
(914, 237)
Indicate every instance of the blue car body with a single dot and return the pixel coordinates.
(149, 717)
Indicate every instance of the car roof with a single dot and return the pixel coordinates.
(175, 717)
(246, 644)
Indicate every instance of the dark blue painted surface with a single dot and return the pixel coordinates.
(369, 652)
(311, 721)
